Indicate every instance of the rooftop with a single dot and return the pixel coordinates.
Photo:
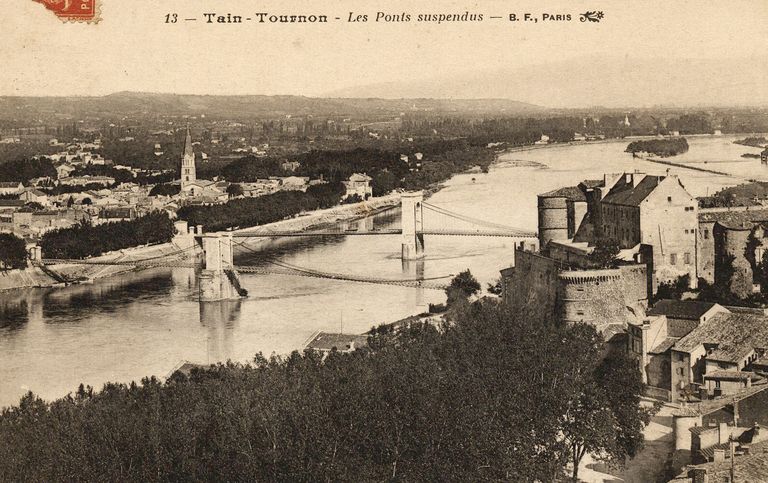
(735, 335)
(592, 183)
(724, 374)
(624, 194)
(681, 309)
(752, 467)
(325, 341)
(572, 193)
(664, 345)
(734, 217)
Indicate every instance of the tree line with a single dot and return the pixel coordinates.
(487, 396)
(246, 212)
(84, 240)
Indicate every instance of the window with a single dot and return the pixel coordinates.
(706, 234)
(669, 199)
(687, 258)
(673, 258)
(680, 357)
(717, 384)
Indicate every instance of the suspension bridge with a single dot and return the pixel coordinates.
(218, 275)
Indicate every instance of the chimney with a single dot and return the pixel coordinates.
(719, 456)
(723, 432)
(698, 475)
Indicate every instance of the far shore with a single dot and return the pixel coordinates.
(33, 277)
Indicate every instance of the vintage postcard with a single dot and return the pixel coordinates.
(358, 241)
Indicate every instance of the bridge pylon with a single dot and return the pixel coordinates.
(412, 223)
(218, 279)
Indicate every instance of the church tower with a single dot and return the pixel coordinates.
(188, 174)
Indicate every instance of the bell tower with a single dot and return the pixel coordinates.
(188, 174)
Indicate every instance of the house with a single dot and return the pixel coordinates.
(64, 170)
(290, 166)
(326, 342)
(294, 183)
(86, 180)
(32, 195)
(360, 185)
(113, 214)
(35, 223)
(10, 188)
(703, 431)
(543, 140)
(716, 358)
(204, 188)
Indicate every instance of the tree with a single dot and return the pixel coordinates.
(604, 254)
(462, 286)
(383, 183)
(234, 190)
(495, 288)
(605, 418)
(165, 189)
(13, 252)
(674, 289)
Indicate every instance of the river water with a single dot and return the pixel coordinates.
(125, 328)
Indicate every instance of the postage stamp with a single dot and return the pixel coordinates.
(74, 10)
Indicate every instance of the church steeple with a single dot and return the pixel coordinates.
(188, 171)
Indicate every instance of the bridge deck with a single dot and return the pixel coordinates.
(437, 232)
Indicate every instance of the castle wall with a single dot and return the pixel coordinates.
(532, 282)
(730, 257)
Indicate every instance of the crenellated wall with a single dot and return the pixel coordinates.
(598, 297)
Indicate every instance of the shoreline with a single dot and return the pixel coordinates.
(32, 277)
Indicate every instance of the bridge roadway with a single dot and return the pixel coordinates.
(427, 283)
(437, 232)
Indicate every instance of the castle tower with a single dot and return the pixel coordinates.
(188, 174)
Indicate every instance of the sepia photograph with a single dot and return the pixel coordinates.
(367, 241)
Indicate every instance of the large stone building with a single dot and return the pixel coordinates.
(731, 244)
(653, 219)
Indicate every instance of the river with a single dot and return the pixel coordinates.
(128, 327)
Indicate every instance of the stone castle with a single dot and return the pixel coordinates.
(661, 233)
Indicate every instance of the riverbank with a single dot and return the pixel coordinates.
(320, 219)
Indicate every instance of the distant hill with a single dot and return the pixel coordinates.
(124, 103)
(597, 81)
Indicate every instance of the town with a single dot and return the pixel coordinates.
(660, 291)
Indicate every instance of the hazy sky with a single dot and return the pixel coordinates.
(133, 49)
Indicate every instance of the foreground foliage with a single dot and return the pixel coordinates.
(487, 398)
